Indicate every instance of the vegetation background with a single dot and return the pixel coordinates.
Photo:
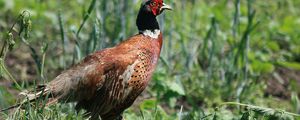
(221, 59)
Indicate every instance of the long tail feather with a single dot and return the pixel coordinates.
(11, 107)
(31, 96)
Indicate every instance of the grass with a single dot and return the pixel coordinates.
(217, 59)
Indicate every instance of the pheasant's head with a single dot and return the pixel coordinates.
(155, 7)
(146, 19)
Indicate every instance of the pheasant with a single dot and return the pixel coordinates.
(108, 81)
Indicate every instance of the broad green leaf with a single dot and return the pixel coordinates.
(262, 67)
(290, 65)
(175, 87)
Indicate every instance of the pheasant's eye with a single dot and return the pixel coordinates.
(153, 3)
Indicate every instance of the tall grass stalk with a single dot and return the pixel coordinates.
(63, 38)
(25, 24)
(243, 49)
(86, 16)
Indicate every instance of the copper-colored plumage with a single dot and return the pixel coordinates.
(121, 73)
(107, 82)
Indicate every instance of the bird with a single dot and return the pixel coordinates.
(107, 82)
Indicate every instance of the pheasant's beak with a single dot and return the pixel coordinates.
(165, 7)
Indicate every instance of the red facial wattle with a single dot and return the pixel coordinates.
(155, 11)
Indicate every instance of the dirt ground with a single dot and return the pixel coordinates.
(279, 83)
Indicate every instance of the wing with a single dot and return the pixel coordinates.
(84, 79)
